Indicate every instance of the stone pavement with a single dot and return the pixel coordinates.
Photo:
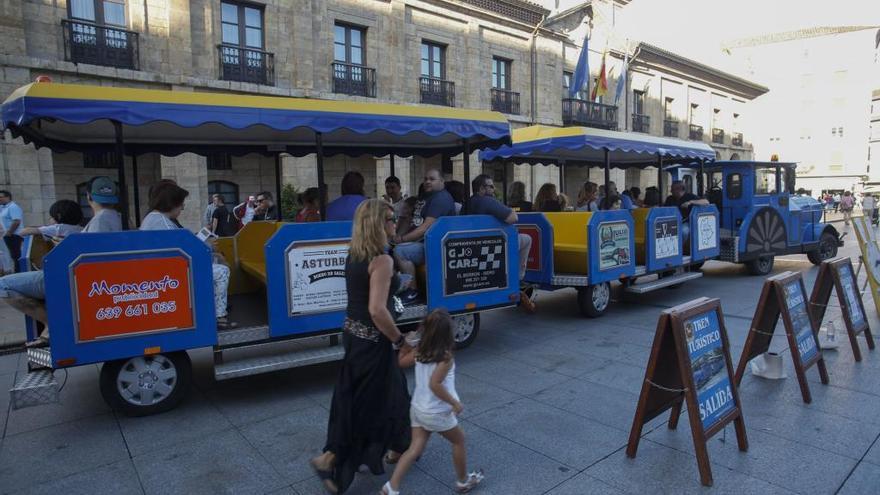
(549, 401)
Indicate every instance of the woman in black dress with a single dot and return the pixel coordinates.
(369, 414)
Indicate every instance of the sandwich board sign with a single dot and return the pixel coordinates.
(784, 295)
(690, 363)
(838, 274)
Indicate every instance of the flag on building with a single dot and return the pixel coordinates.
(581, 74)
(601, 87)
(621, 79)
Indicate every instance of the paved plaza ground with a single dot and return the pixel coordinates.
(549, 402)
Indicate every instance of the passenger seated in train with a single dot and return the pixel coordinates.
(684, 201)
(516, 198)
(456, 190)
(405, 217)
(26, 291)
(626, 202)
(166, 204)
(547, 199)
(611, 203)
(483, 202)
(587, 199)
(409, 249)
(310, 212)
(652, 197)
(635, 195)
(352, 189)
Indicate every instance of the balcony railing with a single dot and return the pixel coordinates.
(250, 65)
(89, 43)
(737, 139)
(718, 136)
(696, 132)
(435, 91)
(641, 123)
(670, 128)
(589, 113)
(353, 79)
(505, 101)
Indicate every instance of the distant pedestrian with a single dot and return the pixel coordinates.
(352, 189)
(846, 206)
(245, 211)
(265, 209)
(207, 218)
(868, 205)
(223, 222)
(435, 404)
(12, 218)
(310, 211)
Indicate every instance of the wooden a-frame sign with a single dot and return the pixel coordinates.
(690, 362)
(838, 274)
(784, 295)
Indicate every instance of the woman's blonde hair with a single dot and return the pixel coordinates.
(368, 238)
(547, 192)
(587, 193)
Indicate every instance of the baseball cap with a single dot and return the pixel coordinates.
(104, 191)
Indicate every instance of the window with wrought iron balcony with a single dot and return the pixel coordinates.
(670, 128)
(718, 136)
(241, 53)
(503, 99)
(96, 34)
(581, 111)
(351, 76)
(641, 123)
(434, 89)
(695, 132)
(736, 139)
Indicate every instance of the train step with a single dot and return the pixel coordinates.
(34, 388)
(275, 356)
(660, 283)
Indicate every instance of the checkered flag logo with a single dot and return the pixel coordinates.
(488, 259)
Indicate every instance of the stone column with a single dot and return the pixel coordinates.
(27, 173)
(191, 173)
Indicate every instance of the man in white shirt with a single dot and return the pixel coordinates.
(868, 205)
(11, 218)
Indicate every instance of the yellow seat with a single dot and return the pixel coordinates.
(640, 216)
(250, 243)
(254, 269)
(570, 241)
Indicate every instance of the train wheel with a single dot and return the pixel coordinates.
(827, 249)
(594, 299)
(145, 385)
(466, 328)
(761, 265)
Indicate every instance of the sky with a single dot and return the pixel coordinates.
(697, 28)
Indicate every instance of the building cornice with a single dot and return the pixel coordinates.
(468, 9)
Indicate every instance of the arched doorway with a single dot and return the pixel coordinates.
(734, 156)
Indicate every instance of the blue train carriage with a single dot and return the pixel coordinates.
(138, 301)
(762, 217)
(643, 249)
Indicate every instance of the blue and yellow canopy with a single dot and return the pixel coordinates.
(76, 117)
(586, 146)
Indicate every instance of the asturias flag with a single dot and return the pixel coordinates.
(582, 71)
(601, 87)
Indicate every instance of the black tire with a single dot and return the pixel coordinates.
(695, 267)
(762, 265)
(174, 370)
(827, 249)
(465, 328)
(594, 300)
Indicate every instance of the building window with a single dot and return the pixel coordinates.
(104, 12)
(242, 25)
(667, 108)
(639, 102)
(219, 161)
(567, 80)
(501, 73)
(692, 118)
(229, 191)
(99, 159)
(433, 60)
(348, 44)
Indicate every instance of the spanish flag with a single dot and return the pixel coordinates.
(601, 87)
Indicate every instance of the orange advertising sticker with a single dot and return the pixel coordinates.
(123, 297)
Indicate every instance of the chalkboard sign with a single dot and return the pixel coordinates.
(474, 263)
(666, 237)
(784, 295)
(690, 363)
(838, 274)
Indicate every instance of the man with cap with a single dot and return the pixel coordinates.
(26, 291)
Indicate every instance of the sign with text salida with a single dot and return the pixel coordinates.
(117, 298)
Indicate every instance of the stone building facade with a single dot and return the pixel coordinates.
(507, 55)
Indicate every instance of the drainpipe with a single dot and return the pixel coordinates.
(533, 69)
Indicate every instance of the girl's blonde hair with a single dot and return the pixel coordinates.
(368, 238)
(517, 193)
(437, 341)
(547, 192)
(587, 193)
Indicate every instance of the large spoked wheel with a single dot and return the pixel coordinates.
(593, 300)
(465, 327)
(827, 249)
(145, 385)
(761, 265)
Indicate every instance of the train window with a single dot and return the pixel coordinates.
(714, 180)
(789, 179)
(689, 183)
(765, 180)
(734, 186)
